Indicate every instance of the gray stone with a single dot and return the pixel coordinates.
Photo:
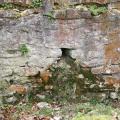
(41, 97)
(11, 100)
(81, 76)
(57, 118)
(92, 86)
(41, 105)
(113, 95)
(90, 58)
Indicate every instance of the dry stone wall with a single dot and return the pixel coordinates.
(92, 40)
(17, 1)
(29, 31)
(95, 40)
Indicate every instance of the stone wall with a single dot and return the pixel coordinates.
(27, 30)
(94, 41)
(17, 1)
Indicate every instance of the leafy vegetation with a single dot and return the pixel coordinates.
(23, 49)
(7, 6)
(36, 3)
(96, 10)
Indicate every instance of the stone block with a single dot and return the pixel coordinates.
(22, 2)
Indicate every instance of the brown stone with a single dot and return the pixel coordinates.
(115, 5)
(45, 76)
(70, 14)
(60, 14)
(112, 55)
(110, 69)
(112, 82)
(20, 89)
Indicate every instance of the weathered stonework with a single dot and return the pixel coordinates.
(24, 2)
(29, 31)
(95, 40)
(92, 40)
(82, 1)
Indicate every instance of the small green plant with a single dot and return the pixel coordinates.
(37, 3)
(6, 6)
(23, 49)
(96, 10)
(94, 101)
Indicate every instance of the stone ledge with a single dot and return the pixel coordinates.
(71, 14)
(23, 2)
(72, 2)
(93, 1)
(106, 70)
(83, 12)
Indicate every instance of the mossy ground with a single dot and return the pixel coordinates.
(67, 111)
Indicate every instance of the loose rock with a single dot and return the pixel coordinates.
(43, 105)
